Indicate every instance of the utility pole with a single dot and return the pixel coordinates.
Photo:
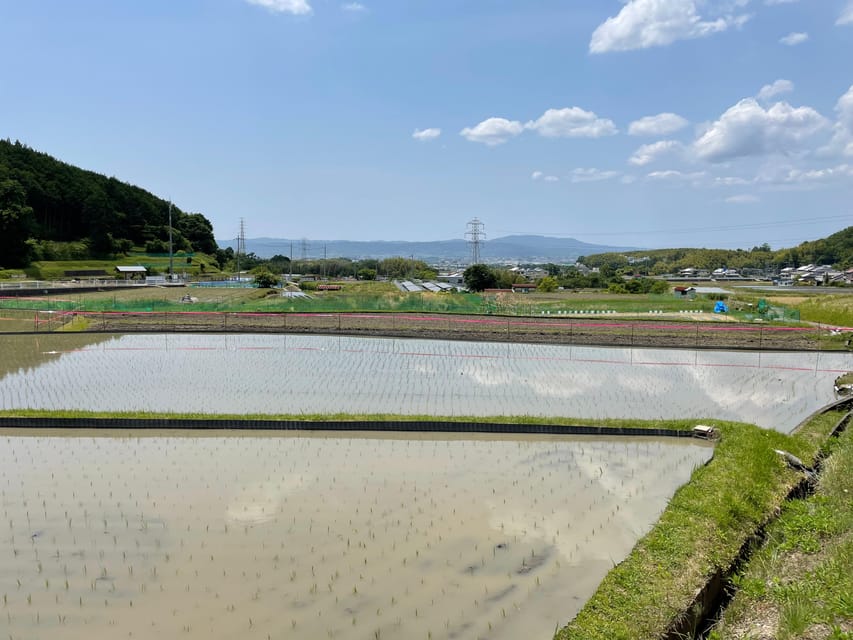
(241, 244)
(171, 266)
(475, 236)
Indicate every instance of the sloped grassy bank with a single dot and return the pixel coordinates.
(701, 535)
(799, 584)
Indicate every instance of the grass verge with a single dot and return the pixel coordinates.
(799, 584)
(700, 533)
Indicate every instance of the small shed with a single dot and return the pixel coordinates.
(523, 287)
(132, 271)
(684, 292)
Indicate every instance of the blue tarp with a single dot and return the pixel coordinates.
(720, 307)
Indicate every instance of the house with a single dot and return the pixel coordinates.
(132, 271)
(456, 278)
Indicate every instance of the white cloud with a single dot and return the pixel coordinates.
(538, 175)
(492, 131)
(744, 198)
(820, 175)
(778, 87)
(676, 176)
(662, 124)
(842, 137)
(747, 129)
(774, 2)
(794, 178)
(592, 175)
(648, 153)
(846, 16)
(794, 38)
(571, 122)
(652, 23)
(296, 7)
(426, 134)
(354, 7)
(730, 181)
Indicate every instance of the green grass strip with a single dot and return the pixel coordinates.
(702, 530)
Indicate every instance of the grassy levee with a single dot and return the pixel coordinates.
(700, 534)
(799, 584)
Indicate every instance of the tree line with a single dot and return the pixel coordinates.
(836, 250)
(51, 210)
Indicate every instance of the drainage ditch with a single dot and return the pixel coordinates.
(699, 619)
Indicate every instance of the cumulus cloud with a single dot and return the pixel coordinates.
(539, 175)
(842, 137)
(662, 124)
(426, 134)
(652, 23)
(744, 198)
(794, 38)
(592, 175)
(748, 129)
(354, 7)
(797, 178)
(846, 17)
(492, 131)
(295, 7)
(648, 153)
(778, 87)
(571, 122)
(672, 174)
(730, 181)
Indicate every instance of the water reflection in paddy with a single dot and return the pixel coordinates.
(258, 536)
(319, 374)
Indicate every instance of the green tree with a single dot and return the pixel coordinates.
(367, 274)
(265, 279)
(16, 223)
(478, 277)
(547, 284)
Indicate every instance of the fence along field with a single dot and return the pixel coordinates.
(548, 329)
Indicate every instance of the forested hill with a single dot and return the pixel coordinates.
(49, 209)
(836, 250)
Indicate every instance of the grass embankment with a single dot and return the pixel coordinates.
(680, 425)
(700, 534)
(197, 264)
(799, 584)
(833, 309)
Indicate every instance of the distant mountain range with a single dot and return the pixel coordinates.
(517, 248)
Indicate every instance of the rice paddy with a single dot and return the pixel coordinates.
(259, 536)
(287, 374)
(222, 535)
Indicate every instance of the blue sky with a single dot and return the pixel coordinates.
(646, 123)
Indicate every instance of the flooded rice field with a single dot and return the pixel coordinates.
(286, 374)
(182, 535)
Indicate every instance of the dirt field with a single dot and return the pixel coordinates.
(610, 331)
